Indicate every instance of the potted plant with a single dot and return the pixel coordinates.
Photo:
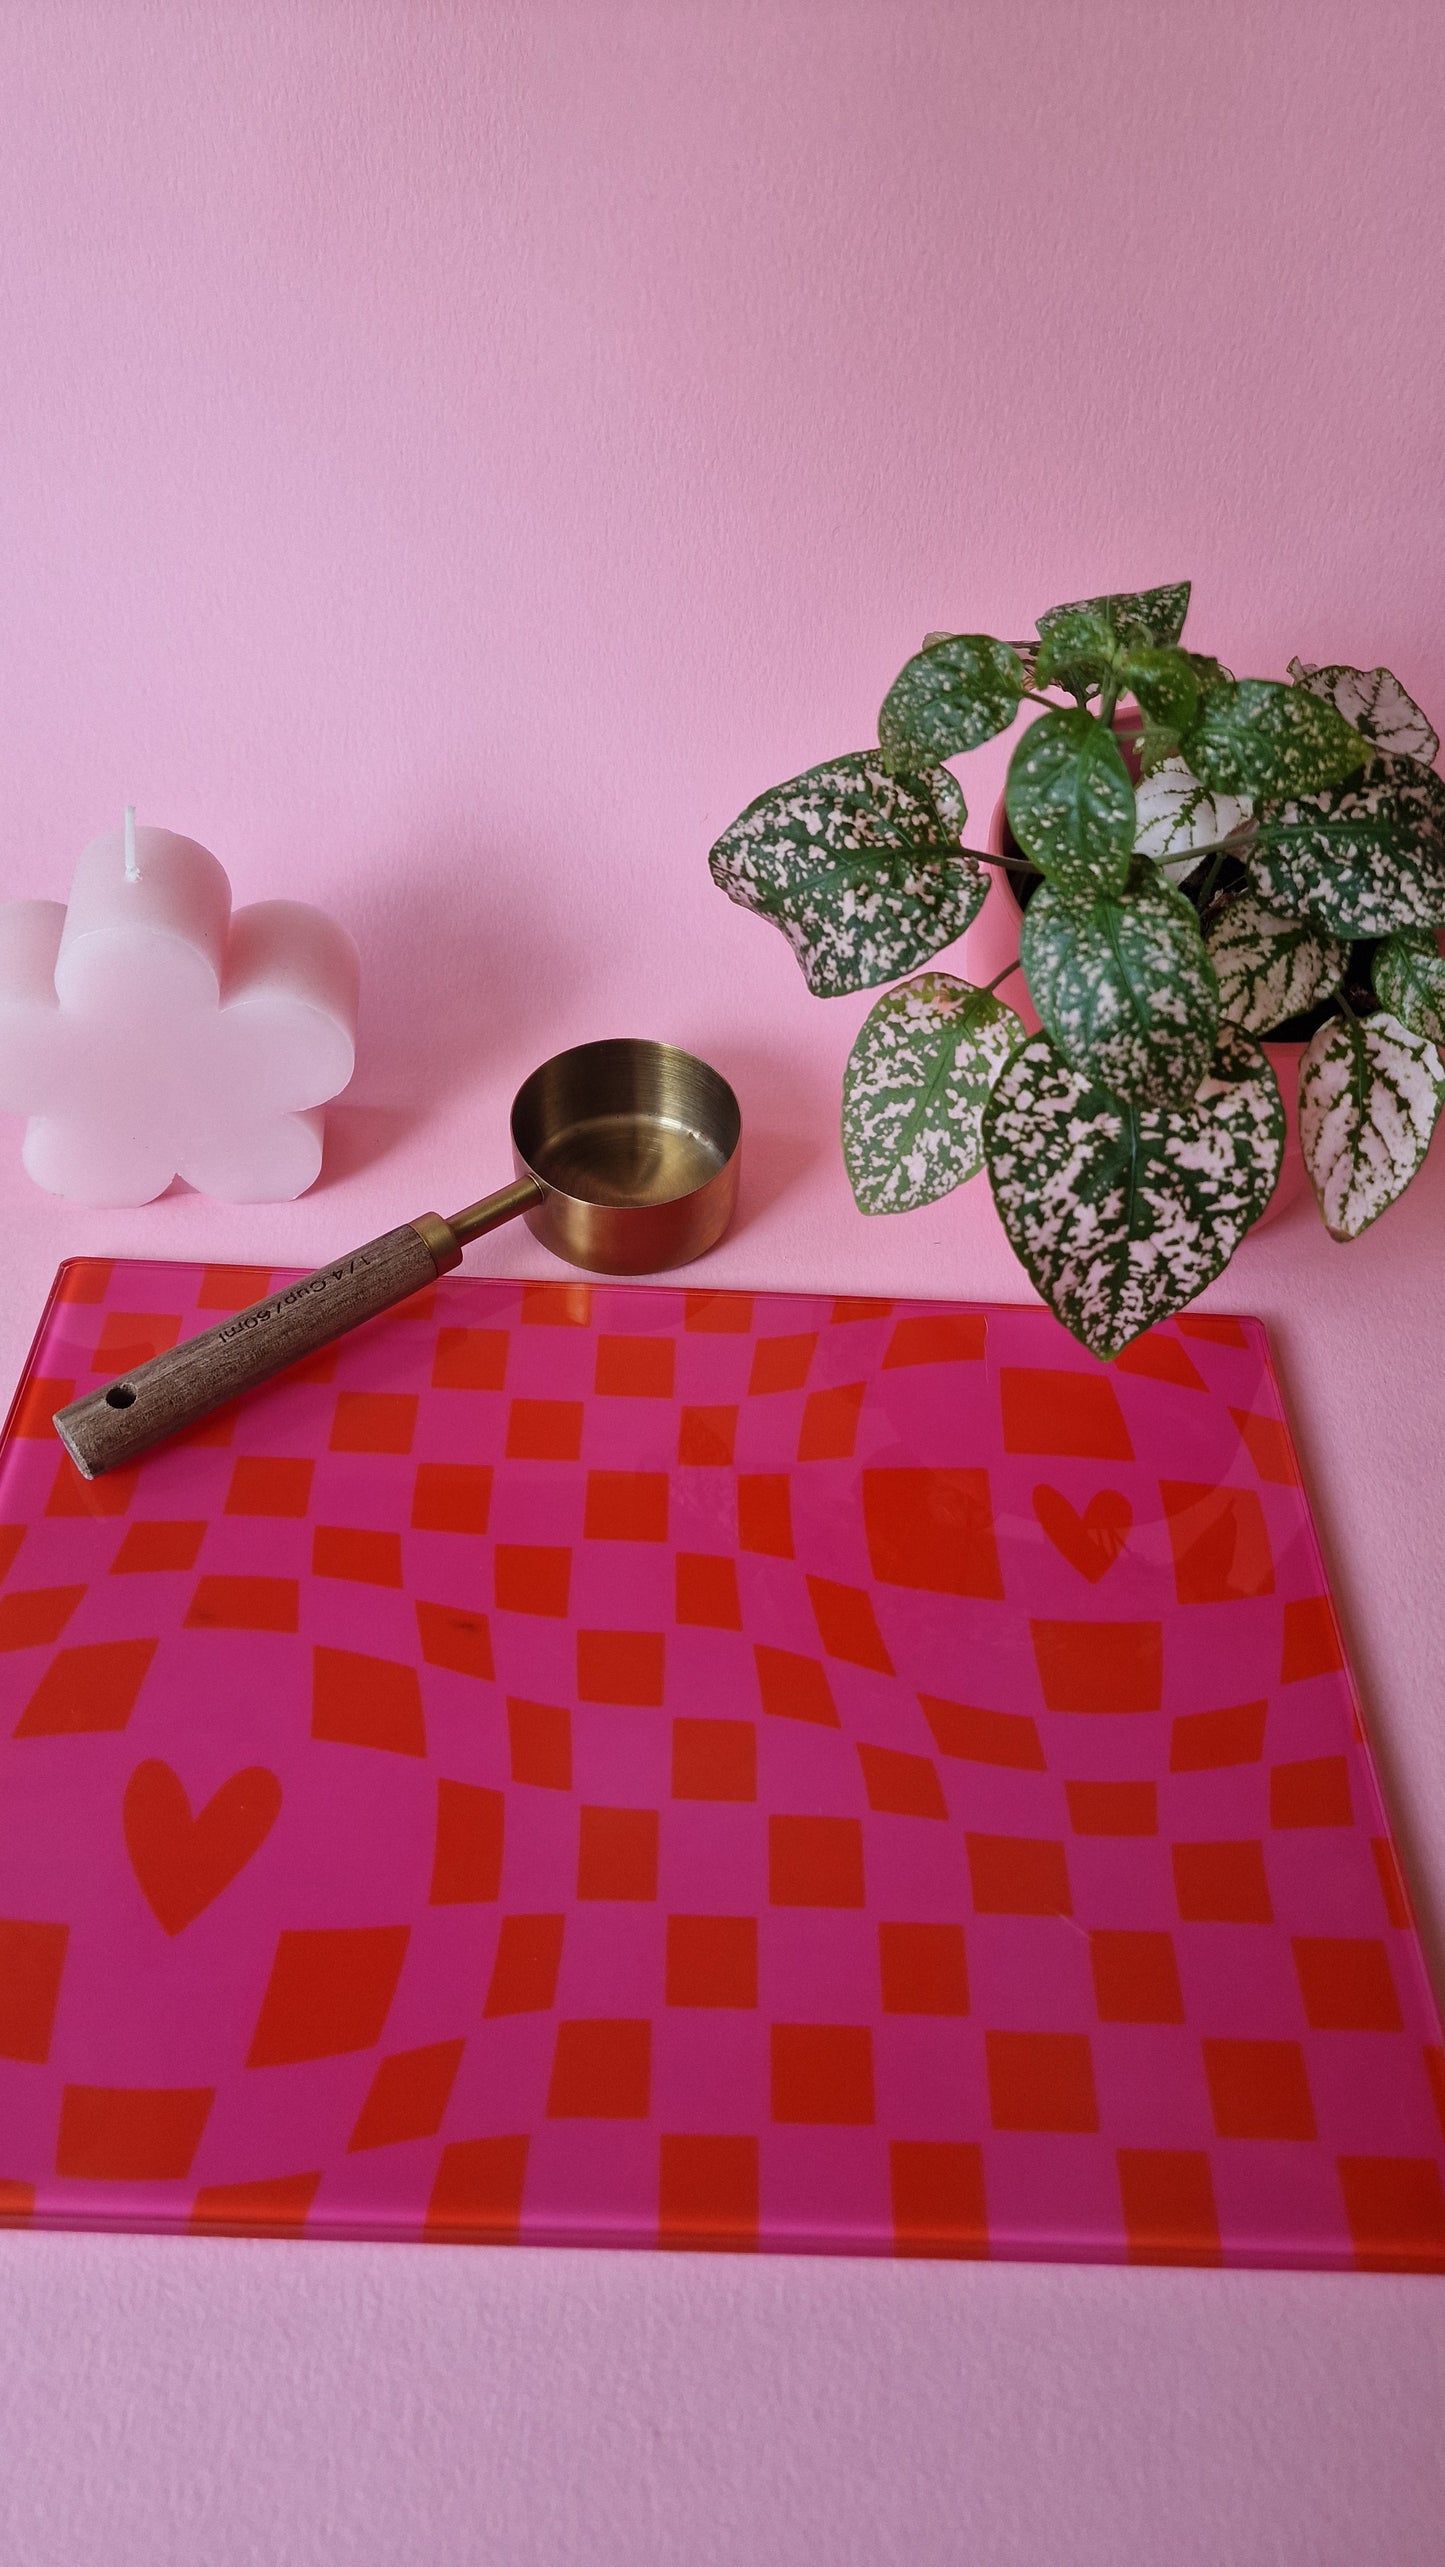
(1267, 853)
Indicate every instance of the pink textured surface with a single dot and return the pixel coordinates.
(733, 1770)
(455, 457)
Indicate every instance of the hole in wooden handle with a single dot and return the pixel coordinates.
(120, 1395)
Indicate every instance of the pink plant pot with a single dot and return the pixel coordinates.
(993, 942)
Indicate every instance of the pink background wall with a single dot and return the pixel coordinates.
(451, 457)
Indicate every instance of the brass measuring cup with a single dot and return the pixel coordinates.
(627, 1163)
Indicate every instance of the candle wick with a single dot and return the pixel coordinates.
(132, 867)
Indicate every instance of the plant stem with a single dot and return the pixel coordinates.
(1212, 877)
(1000, 976)
(1107, 701)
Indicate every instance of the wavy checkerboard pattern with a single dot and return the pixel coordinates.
(667, 1767)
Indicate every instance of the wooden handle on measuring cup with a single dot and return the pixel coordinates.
(114, 1424)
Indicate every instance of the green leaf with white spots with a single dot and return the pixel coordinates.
(1164, 687)
(1121, 1213)
(1258, 737)
(1362, 860)
(1125, 987)
(951, 696)
(1070, 803)
(1268, 967)
(860, 869)
(1377, 705)
(1096, 629)
(916, 1084)
(1370, 1094)
(1175, 816)
(1409, 976)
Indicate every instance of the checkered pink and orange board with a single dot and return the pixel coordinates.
(644, 1766)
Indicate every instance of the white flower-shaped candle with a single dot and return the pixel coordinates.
(147, 1032)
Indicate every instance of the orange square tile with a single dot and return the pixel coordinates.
(626, 1506)
(1041, 2081)
(1219, 1540)
(923, 1969)
(233, 1287)
(1392, 1883)
(130, 2134)
(452, 1638)
(451, 1497)
(829, 1429)
(765, 1515)
(1168, 2202)
(853, 1309)
(1159, 1357)
(815, 1862)
(933, 1531)
(470, 1359)
(1266, 1440)
(1313, 1793)
(1346, 1984)
(374, 1421)
(408, 2096)
(358, 1701)
(712, 1960)
(707, 1591)
(1007, 1738)
(156, 1547)
(245, 1604)
(617, 1854)
(86, 1279)
(794, 1687)
(1113, 1809)
(706, 1436)
(131, 1337)
(524, 1973)
(714, 1760)
(707, 2188)
(781, 1363)
(1214, 1332)
(905, 1786)
(1311, 1641)
(35, 1406)
(1019, 1876)
(532, 1578)
(848, 1625)
(725, 1314)
(1201, 1741)
(1396, 2210)
(556, 1305)
(1259, 2090)
(822, 2073)
(477, 2197)
(262, 1484)
(87, 1689)
(1136, 1977)
(1100, 1666)
(467, 1854)
(110, 1495)
(277, 2206)
(601, 2071)
(1222, 1884)
(1062, 1412)
(635, 1367)
(32, 1962)
(329, 1992)
(621, 1666)
(33, 1617)
(17, 2203)
(347, 1551)
(541, 1742)
(938, 2198)
(942, 1337)
(544, 1430)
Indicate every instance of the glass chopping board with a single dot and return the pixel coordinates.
(649, 1767)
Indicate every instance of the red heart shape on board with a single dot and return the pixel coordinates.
(183, 1862)
(1092, 1541)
